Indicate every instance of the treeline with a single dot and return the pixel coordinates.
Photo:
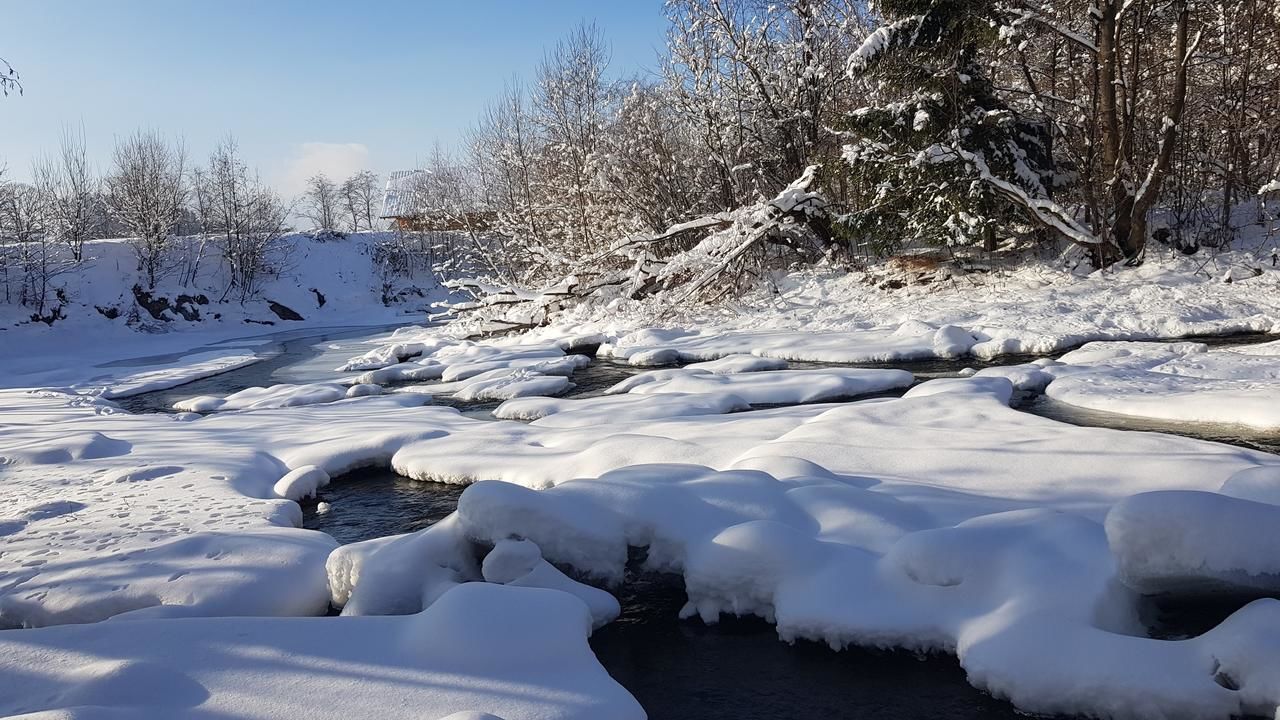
(984, 123)
(177, 216)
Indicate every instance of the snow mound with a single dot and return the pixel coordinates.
(772, 387)
(739, 363)
(1195, 543)
(588, 412)
(1163, 396)
(518, 383)
(520, 563)
(301, 483)
(258, 398)
(482, 650)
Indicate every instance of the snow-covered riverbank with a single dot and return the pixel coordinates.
(940, 520)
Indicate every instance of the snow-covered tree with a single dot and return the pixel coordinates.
(949, 160)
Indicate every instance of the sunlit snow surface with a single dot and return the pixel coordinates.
(940, 520)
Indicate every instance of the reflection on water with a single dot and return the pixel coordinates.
(738, 668)
(1238, 435)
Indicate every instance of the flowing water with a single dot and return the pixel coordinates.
(680, 669)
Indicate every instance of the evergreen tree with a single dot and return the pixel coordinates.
(950, 161)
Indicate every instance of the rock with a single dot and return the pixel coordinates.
(283, 312)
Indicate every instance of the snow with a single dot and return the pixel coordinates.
(770, 386)
(520, 383)
(519, 563)
(257, 398)
(1195, 543)
(595, 411)
(943, 520)
(517, 653)
(301, 483)
(196, 367)
(739, 363)
(1179, 382)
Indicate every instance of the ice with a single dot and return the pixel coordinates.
(512, 652)
(1195, 543)
(192, 368)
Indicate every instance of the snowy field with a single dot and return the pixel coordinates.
(153, 564)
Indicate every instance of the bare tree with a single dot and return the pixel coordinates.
(9, 79)
(320, 202)
(31, 258)
(70, 192)
(248, 218)
(147, 192)
(359, 200)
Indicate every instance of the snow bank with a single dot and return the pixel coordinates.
(596, 411)
(258, 398)
(517, 653)
(107, 514)
(1184, 542)
(192, 368)
(1179, 382)
(909, 341)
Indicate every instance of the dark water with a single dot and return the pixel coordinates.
(375, 502)
(738, 668)
(683, 669)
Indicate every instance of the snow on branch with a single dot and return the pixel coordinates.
(877, 42)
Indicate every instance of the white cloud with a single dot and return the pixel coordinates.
(336, 160)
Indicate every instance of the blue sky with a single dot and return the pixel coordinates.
(304, 86)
